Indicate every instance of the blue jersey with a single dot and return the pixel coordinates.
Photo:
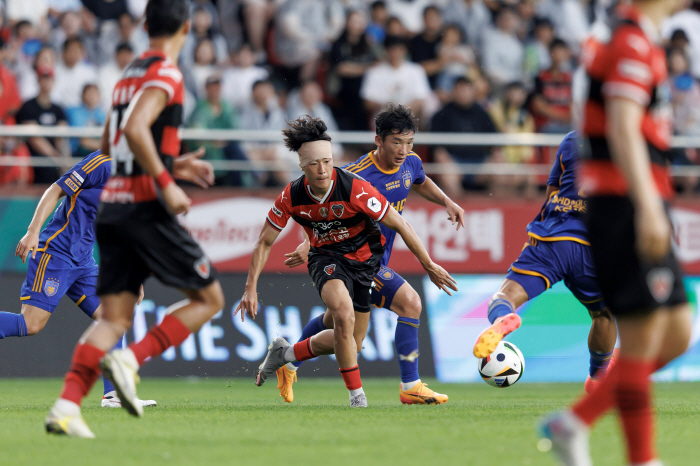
(393, 185)
(70, 235)
(561, 216)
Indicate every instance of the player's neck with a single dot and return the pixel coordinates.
(318, 191)
(171, 48)
(378, 157)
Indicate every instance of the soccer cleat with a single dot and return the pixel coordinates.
(273, 361)
(420, 394)
(58, 422)
(489, 338)
(567, 436)
(121, 368)
(285, 379)
(358, 401)
(111, 400)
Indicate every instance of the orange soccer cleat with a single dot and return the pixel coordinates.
(421, 395)
(489, 338)
(285, 379)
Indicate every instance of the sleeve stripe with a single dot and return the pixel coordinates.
(162, 85)
(97, 165)
(629, 91)
(386, 209)
(274, 224)
(93, 161)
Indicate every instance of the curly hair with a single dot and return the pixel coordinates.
(395, 119)
(304, 129)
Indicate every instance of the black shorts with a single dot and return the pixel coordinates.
(357, 278)
(148, 241)
(629, 285)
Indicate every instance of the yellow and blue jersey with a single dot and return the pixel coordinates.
(70, 235)
(561, 216)
(394, 185)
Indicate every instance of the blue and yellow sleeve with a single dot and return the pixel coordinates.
(418, 172)
(91, 172)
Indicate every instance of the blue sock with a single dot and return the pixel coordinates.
(406, 340)
(312, 328)
(105, 381)
(599, 362)
(499, 308)
(12, 325)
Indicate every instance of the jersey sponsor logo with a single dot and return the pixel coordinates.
(374, 205)
(323, 211)
(385, 273)
(660, 283)
(74, 187)
(202, 267)
(338, 209)
(407, 179)
(329, 269)
(363, 193)
(308, 214)
(77, 176)
(51, 286)
(392, 185)
(276, 211)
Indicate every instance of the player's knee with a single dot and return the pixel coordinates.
(410, 307)
(344, 323)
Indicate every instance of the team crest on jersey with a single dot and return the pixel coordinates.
(329, 269)
(202, 267)
(51, 287)
(406, 177)
(324, 212)
(338, 210)
(660, 283)
(386, 273)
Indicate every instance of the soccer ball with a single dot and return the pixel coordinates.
(504, 367)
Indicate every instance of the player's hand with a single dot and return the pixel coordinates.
(188, 167)
(175, 199)
(28, 243)
(456, 214)
(299, 256)
(653, 232)
(248, 304)
(441, 278)
(141, 295)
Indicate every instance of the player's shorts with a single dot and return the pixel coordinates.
(49, 278)
(543, 263)
(151, 242)
(357, 278)
(630, 285)
(386, 284)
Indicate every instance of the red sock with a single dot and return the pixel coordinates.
(633, 400)
(170, 332)
(351, 376)
(302, 350)
(593, 405)
(84, 371)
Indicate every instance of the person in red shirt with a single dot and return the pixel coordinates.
(626, 140)
(340, 213)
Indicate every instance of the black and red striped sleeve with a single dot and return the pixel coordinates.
(366, 199)
(281, 210)
(166, 77)
(630, 66)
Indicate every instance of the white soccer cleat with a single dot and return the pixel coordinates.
(358, 401)
(273, 361)
(567, 437)
(65, 419)
(121, 368)
(111, 400)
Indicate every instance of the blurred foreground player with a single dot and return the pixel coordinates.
(340, 213)
(137, 232)
(394, 170)
(626, 136)
(61, 261)
(558, 249)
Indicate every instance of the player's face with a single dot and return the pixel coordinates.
(318, 173)
(394, 149)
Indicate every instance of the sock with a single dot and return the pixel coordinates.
(351, 376)
(12, 325)
(633, 400)
(595, 404)
(84, 371)
(405, 386)
(599, 363)
(106, 383)
(302, 351)
(170, 332)
(356, 392)
(312, 328)
(499, 308)
(406, 340)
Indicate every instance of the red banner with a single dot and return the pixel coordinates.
(494, 235)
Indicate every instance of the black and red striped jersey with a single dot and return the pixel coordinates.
(345, 222)
(129, 183)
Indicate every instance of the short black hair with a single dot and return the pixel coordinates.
(377, 4)
(260, 82)
(395, 119)
(556, 43)
(431, 8)
(73, 40)
(124, 46)
(679, 34)
(462, 80)
(165, 17)
(392, 41)
(304, 129)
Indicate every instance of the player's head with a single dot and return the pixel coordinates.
(307, 137)
(396, 126)
(166, 19)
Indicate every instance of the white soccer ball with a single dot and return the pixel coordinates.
(504, 367)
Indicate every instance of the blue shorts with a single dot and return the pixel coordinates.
(386, 284)
(49, 278)
(543, 263)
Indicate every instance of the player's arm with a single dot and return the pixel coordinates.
(300, 254)
(437, 274)
(47, 203)
(429, 191)
(261, 252)
(104, 140)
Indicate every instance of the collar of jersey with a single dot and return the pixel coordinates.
(328, 193)
(389, 172)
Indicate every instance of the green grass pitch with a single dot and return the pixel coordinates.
(220, 421)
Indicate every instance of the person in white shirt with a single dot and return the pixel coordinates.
(237, 80)
(72, 74)
(308, 100)
(502, 51)
(111, 72)
(687, 21)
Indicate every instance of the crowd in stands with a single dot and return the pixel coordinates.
(470, 66)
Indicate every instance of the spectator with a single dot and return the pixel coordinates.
(552, 97)
(10, 100)
(688, 21)
(569, 18)
(72, 74)
(350, 58)
(210, 8)
(106, 10)
(378, 18)
(42, 111)
(308, 100)
(87, 114)
(17, 175)
(459, 58)
(203, 29)
(472, 16)
(395, 80)
(26, 72)
(203, 67)
(58, 8)
(537, 50)
(424, 47)
(237, 80)
(71, 25)
(462, 115)
(502, 51)
(685, 95)
(409, 13)
(110, 73)
(34, 11)
(395, 28)
(126, 29)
